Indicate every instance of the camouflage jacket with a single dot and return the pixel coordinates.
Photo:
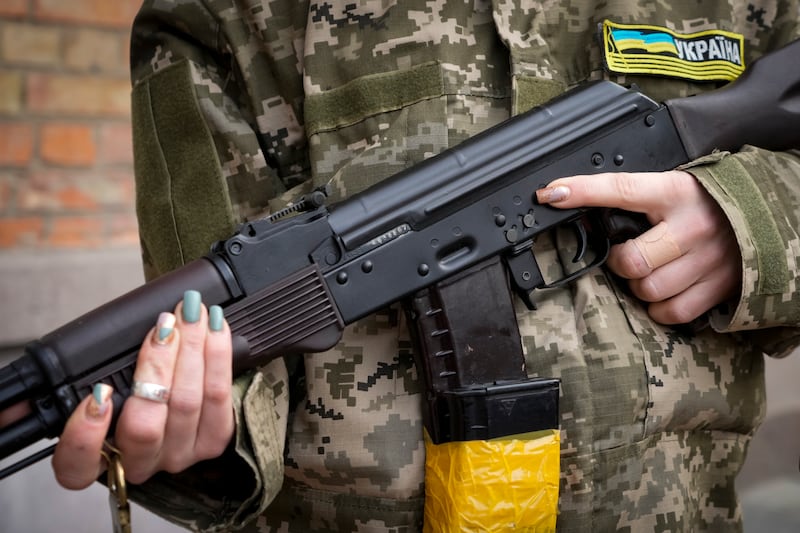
(239, 107)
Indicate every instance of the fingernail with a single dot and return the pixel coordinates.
(165, 328)
(215, 318)
(191, 306)
(550, 195)
(101, 400)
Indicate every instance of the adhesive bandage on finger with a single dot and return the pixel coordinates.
(657, 246)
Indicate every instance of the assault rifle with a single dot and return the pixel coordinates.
(290, 284)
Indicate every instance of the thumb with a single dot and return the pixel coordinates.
(77, 461)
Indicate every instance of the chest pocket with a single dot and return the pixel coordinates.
(375, 126)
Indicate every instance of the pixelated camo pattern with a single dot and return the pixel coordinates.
(655, 421)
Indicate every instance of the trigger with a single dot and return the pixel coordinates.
(580, 236)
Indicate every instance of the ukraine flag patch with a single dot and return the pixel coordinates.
(711, 55)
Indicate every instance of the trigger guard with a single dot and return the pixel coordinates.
(583, 240)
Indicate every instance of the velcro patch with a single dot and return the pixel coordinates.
(711, 55)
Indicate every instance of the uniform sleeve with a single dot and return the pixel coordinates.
(228, 492)
(216, 122)
(215, 107)
(760, 194)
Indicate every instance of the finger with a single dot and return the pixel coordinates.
(669, 280)
(639, 257)
(140, 431)
(641, 192)
(690, 303)
(722, 273)
(77, 460)
(216, 419)
(186, 397)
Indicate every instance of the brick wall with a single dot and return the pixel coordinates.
(66, 178)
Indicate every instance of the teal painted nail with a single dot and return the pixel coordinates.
(215, 318)
(191, 306)
(97, 391)
(101, 393)
(164, 328)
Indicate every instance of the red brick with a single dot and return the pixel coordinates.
(20, 231)
(68, 144)
(24, 43)
(78, 95)
(123, 230)
(119, 188)
(7, 182)
(98, 51)
(124, 186)
(126, 50)
(59, 191)
(11, 93)
(50, 197)
(116, 143)
(72, 198)
(16, 143)
(75, 231)
(13, 8)
(113, 13)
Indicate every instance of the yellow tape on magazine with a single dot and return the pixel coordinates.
(504, 484)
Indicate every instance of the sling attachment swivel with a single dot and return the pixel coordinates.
(117, 491)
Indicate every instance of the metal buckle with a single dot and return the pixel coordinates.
(117, 491)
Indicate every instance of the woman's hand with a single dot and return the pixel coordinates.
(181, 411)
(687, 263)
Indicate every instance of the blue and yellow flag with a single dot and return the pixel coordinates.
(711, 55)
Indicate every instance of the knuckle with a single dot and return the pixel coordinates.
(713, 227)
(626, 186)
(635, 266)
(217, 394)
(174, 462)
(194, 340)
(681, 182)
(210, 449)
(701, 228)
(183, 402)
(678, 185)
(144, 435)
(679, 314)
(630, 262)
(72, 480)
(212, 442)
(141, 431)
(137, 475)
(649, 290)
(156, 368)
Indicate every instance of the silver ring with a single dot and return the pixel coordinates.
(151, 391)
